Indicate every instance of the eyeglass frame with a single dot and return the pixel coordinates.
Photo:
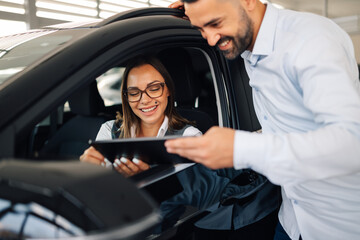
(162, 84)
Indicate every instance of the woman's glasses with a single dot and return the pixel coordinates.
(134, 94)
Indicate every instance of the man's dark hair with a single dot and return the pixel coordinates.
(188, 1)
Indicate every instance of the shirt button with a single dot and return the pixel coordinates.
(295, 202)
(265, 118)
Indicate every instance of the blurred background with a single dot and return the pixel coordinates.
(20, 15)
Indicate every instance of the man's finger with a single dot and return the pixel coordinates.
(183, 143)
(192, 154)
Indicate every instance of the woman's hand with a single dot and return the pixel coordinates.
(124, 166)
(129, 168)
(91, 155)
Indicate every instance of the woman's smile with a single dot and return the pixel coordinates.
(149, 110)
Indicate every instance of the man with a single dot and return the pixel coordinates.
(307, 98)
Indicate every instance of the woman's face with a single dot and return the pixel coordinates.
(151, 111)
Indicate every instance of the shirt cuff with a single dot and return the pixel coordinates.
(249, 150)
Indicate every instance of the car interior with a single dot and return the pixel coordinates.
(66, 132)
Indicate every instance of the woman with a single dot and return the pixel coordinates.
(148, 111)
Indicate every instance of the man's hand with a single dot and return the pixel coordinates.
(214, 149)
(177, 5)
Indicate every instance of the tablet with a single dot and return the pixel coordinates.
(150, 150)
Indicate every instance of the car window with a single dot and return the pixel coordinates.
(66, 131)
(109, 85)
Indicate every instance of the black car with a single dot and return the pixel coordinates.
(51, 104)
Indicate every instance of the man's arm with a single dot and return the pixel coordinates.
(331, 92)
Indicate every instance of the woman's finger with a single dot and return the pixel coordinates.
(91, 155)
(122, 168)
(141, 165)
(130, 168)
(119, 170)
(129, 164)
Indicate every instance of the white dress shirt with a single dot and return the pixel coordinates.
(105, 130)
(307, 98)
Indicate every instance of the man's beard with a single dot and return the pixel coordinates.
(240, 43)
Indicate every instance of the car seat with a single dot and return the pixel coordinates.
(178, 63)
(72, 138)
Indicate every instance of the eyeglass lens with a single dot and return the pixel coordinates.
(153, 91)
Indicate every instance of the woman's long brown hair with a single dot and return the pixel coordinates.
(129, 119)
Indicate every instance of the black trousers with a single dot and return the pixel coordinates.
(280, 233)
(261, 230)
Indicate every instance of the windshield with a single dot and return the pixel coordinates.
(19, 51)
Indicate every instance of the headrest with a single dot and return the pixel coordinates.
(87, 101)
(178, 63)
(202, 119)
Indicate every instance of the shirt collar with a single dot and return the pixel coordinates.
(162, 130)
(264, 43)
(164, 127)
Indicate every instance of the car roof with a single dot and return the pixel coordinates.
(11, 41)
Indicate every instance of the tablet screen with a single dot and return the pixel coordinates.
(149, 150)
